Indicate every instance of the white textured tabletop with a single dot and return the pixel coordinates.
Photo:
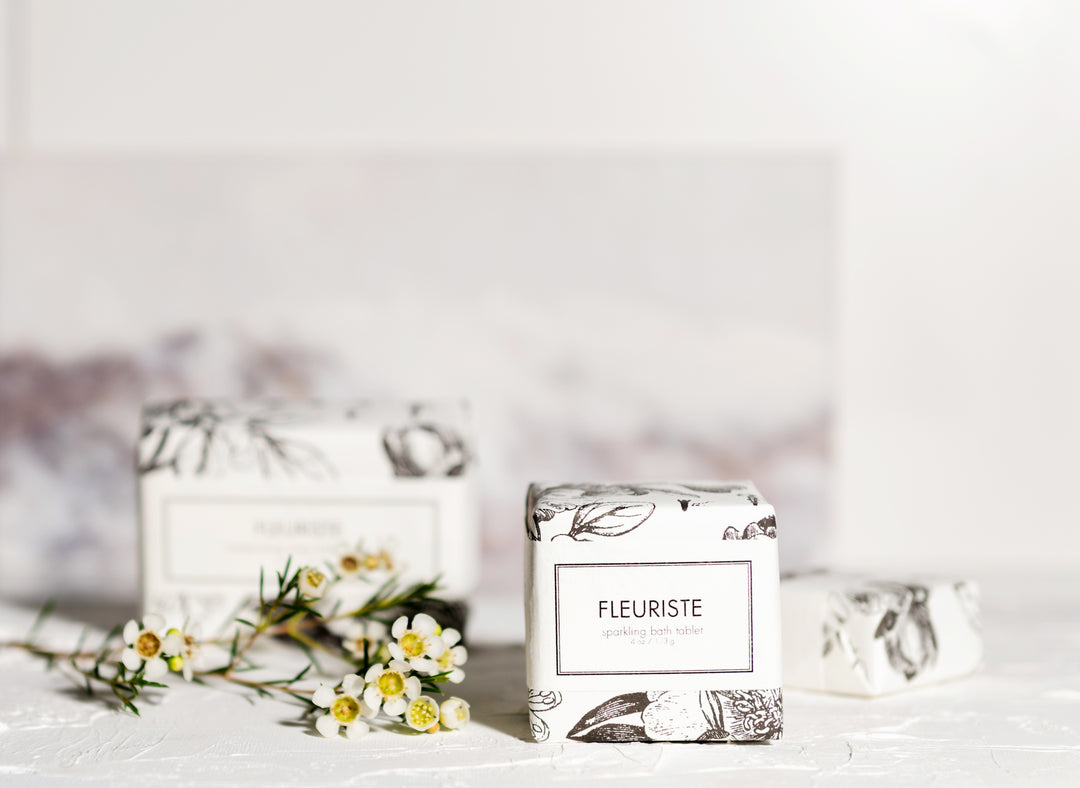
(1017, 721)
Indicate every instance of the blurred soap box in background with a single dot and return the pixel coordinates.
(854, 634)
(229, 487)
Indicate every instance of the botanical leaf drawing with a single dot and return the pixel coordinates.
(611, 709)
(906, 629)
(609, 519)
(903, 625)
(193, 436)
(546, 502)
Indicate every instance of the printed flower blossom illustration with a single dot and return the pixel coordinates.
(347, 710)
(391, 687)
(424, 448)
(418, 644)
(147, 646)
(422, 714)
(454, 713)
(683, 716)
(453, 656)
(312, 583)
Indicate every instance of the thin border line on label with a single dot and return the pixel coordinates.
(749, 620)
(169, 577)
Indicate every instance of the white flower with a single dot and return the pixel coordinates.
(422, 714)
(453, 656)
(454, 713)
(390, 686)
(364, 634)
(189, 654)
(311, 583)
(420, 644)
(346, 710)
(350, 564)
(146, 646)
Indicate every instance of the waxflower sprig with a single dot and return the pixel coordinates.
(350, 611)
(424, 655)
(91, 668)
(392, 690)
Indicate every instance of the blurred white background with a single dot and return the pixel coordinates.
(951, 131)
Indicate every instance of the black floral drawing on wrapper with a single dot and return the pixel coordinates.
(764, 528)
(541, 701)
(608, 519)
(198, 437)
(423, 447)
(657, 715)
(904, 628)
(602, 510)
(968, 596)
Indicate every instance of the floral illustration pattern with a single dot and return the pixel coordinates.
(968, 595)
(423, 447)
(903, 625)
(764, 528)
(541, 701)
(661, 715)
(199, 436)
(606, 510)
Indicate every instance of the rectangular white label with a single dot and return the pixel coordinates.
(653, 618)
(227, 540)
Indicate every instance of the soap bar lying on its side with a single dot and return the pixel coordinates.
(857, 635)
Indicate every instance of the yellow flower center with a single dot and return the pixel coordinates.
(350, 563)
(423, 713)
(446, 661)
(461, 713)
(391, 683)
(345, 709)
(315, 577)
(148, 645)
(371, 561)
(412, 644)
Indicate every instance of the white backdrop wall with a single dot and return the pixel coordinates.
(955, 128)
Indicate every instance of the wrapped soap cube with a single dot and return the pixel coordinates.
(374, 489)
(862, 635)
(652, 613)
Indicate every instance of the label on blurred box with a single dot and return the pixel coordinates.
(222, 540)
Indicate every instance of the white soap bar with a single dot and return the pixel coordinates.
(227, 487)
(858, 635)
(652, 612)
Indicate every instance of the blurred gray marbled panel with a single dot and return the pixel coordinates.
(611, 316)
